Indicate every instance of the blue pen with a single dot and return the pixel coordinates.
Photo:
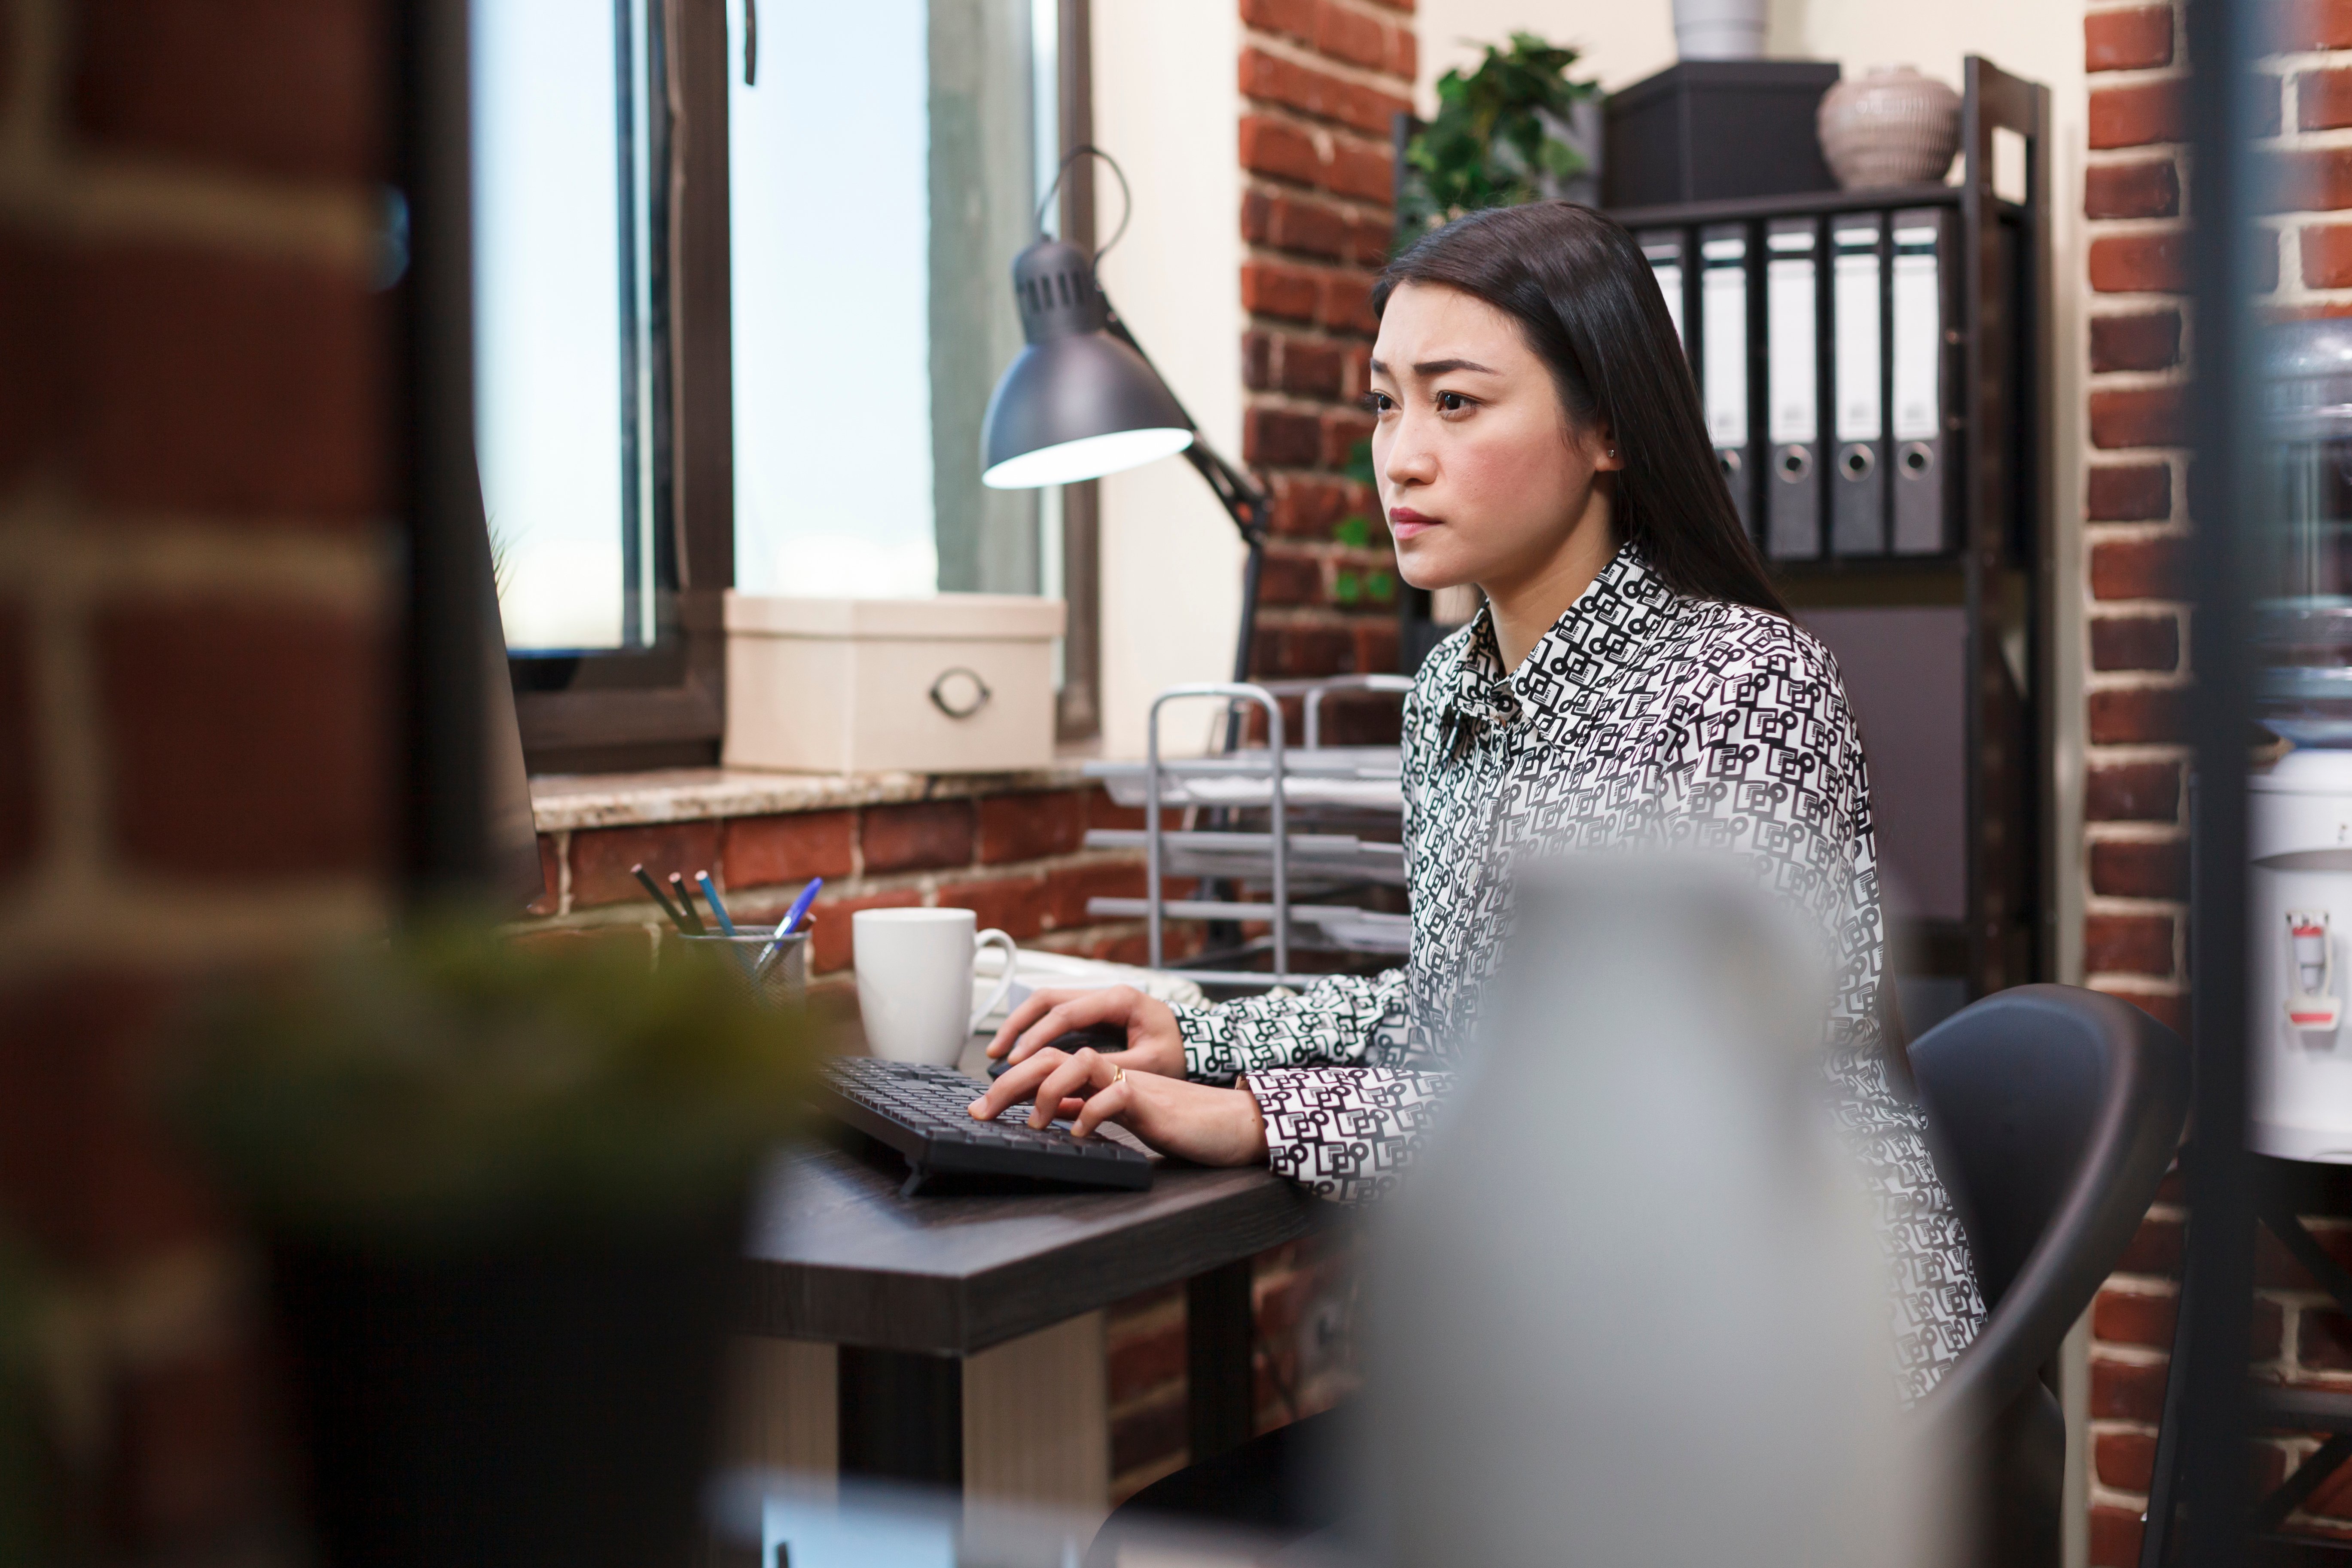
(785, 927)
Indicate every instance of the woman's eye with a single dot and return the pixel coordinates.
(1451, 403)
(1379, 401)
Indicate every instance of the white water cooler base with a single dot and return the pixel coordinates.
(2320, 1145)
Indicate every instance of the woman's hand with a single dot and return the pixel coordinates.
(1154, 1044)
(1195, 1122)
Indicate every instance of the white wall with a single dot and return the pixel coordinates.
(1622, 41)
(1166, 105)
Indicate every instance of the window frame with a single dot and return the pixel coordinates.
(1077, 707)
(666, 707)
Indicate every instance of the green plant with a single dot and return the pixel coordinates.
(451, 1086)
(1355, 529)
(1496, 141)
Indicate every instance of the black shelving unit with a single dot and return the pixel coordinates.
(1996, 564)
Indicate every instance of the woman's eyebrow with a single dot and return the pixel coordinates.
(1437, 367)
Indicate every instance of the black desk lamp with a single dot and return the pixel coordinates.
(1083, 399)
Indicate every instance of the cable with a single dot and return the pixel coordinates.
(1126, 196)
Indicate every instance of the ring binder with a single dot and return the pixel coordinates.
(1723, 337)
(1664, 250)
(1858, 481)
(1792, 349)
(1917, 286)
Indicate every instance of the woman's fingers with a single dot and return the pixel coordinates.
(1082, 1072)
(1108, 1104)
(1034, 1006)
(1074, 1010)
(1019, 1083)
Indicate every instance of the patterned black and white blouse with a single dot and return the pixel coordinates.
(1643, 716)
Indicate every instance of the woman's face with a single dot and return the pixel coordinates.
(1481, 476)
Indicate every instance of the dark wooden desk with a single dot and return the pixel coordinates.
(905, 1286)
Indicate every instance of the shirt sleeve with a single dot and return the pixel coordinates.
(1774, 774)
(1332, 1024)
(1345, 1133)
(1333, 1125)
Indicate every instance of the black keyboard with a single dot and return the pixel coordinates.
(924, 1113)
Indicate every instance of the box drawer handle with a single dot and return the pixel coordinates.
(959, 693)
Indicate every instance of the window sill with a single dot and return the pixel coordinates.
(562, 803)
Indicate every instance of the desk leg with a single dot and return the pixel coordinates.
(901, 1415)
(1218, 1329)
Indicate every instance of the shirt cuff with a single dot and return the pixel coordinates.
(1344, 1134)
(1208, 1048)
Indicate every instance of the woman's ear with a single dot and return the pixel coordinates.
(1605, 459)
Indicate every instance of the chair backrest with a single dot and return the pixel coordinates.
(2053, 1112)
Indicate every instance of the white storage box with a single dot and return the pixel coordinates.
(955, 684)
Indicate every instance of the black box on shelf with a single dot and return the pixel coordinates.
(1716, 130)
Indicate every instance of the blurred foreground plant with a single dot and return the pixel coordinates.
(23, 1482)
(451, 1086)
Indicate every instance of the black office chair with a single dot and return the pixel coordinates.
(2053, 1112)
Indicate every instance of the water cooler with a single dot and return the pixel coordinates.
(2299, 913)
(2299, 810)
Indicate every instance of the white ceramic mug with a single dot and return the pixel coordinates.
(914, 981)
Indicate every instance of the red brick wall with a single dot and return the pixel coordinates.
(2136, 650)
(194, 728)
(2135, 656)
(1016, 859)
(1319, 79)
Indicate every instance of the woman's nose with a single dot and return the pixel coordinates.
(1410, 462)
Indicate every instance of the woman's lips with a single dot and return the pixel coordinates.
(1404, 522)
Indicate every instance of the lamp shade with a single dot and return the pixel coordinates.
(1078, 402)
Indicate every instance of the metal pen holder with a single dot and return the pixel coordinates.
(784, 982)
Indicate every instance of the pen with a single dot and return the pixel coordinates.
(785, 927)
(639, 872)
(694, 926)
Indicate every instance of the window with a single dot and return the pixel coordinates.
(759, 358)
(562, 278)
(876, 208)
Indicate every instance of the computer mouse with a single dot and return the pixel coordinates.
(1101, 1037)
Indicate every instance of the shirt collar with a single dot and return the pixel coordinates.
(1592, 642)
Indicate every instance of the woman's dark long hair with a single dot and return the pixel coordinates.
(1583, 293)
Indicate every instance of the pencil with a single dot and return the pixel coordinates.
(693, 926)
(642, 875)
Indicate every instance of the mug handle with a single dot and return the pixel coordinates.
(1004, 987)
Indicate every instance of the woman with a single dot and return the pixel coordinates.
(1633, 679)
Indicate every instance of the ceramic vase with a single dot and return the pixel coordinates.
(1890, 127)
(1720, 29)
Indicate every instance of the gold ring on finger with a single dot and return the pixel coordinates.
(1117, 1075)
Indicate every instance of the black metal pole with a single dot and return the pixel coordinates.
(1251, 570)
(2227, 509)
